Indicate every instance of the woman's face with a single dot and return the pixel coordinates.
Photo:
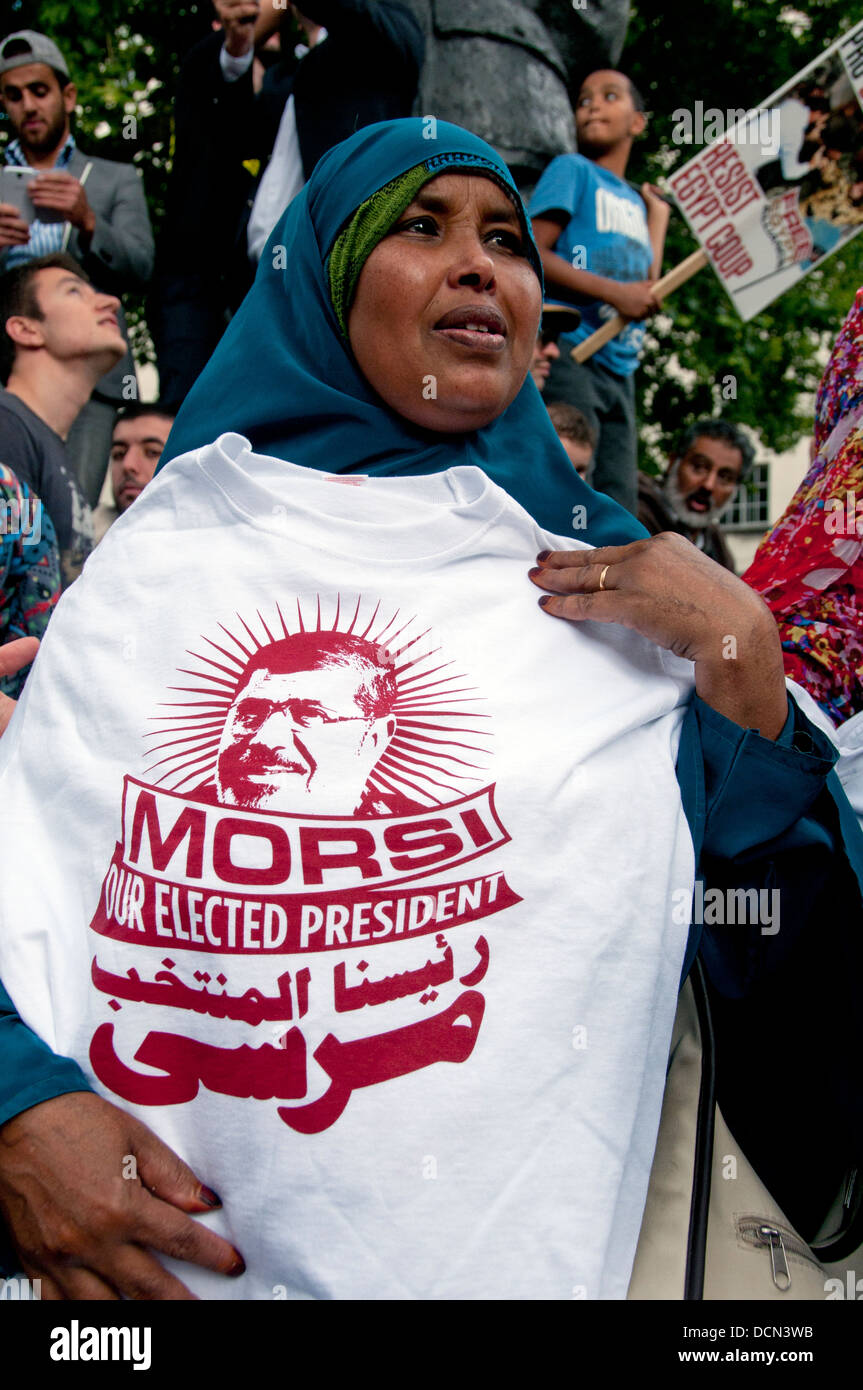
(447, 307)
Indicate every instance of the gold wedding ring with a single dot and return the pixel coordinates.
(605, 570)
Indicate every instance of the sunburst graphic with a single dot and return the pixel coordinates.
(440, 745)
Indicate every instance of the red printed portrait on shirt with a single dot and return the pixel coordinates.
(290, 855)
(312, 716)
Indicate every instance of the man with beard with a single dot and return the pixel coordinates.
(704, 470)
(91, 207)
(140, 435)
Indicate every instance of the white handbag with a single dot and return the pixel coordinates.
(736, 1243)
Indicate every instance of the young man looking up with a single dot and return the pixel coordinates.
(58, 337)
(601, 244)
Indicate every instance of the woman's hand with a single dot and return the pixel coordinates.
(88, 1193)
(14, 655)
(668, 591)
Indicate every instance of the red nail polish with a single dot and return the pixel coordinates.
(209, 1197)
(543, 555)
(239, 1268)
(546, 598)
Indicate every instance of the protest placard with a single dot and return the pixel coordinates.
(783, 188)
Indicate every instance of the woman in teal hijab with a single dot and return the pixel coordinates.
(294, 374)
(285, 375)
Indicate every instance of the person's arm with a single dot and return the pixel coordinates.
(214, 114)
(356, 21)
(680, 599)
(558, 199)
(658, 215)
(758, 788)
(238, 18)
(29, 1071)
(88, 1193)
(115, 247)
(268, 22)
(75, 1216)
(633, 299)
(775, 831)
(121, 251)
(785, 979)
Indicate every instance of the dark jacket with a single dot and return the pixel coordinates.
(655, 515)
(366, 70)
(214, 135)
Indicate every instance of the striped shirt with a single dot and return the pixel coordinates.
(45, 237)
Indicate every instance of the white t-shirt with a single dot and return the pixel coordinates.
(357, 877)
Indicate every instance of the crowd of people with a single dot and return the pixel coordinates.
(275, 113)
(316, 770)
(235, 113)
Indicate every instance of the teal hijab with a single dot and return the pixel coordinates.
(285, 377)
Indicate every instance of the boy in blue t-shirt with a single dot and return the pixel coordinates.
(601, 244)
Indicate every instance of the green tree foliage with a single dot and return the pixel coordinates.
(731, 55)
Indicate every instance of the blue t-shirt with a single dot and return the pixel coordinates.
(607, 235)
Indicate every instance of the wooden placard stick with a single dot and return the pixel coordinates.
(663, 286)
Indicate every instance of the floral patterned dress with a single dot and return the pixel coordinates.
(809, 569)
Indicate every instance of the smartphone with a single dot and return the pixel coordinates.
(14, 189)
